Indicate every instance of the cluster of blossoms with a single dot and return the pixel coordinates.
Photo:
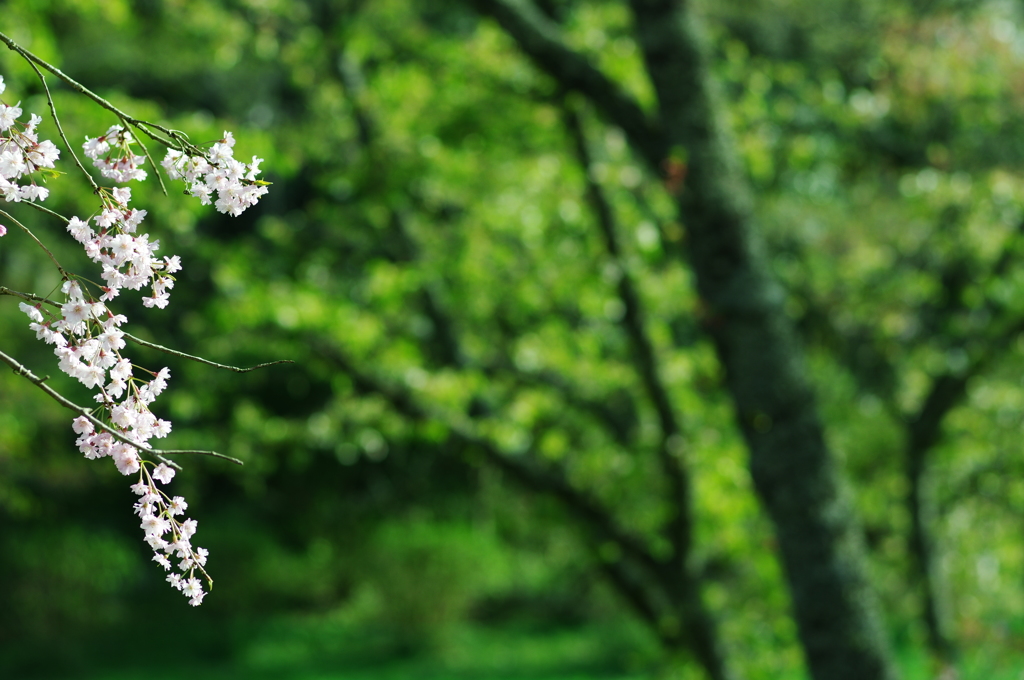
(168, 536)
(234, 182)
(88, 341)
(21, 154)
(127, 258)
(112, 154)
(87, 336)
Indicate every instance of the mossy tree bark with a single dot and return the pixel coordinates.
(795, 473)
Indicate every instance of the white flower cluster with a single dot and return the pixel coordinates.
(88, 341)
(167, 535)
(111, 153)
(21, 153)
(234, 182)
(87, 336)
(127, 258)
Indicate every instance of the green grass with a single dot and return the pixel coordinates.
(299, 648)
(338, 648)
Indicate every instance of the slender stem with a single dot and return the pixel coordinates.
(201, 360)
(176, 137)
(156, 170)
(31, 297)
(169, 463)
(46, 210)
(81, 410)
(679, 527)
(63, 272)
(60, 129)
(189, 452)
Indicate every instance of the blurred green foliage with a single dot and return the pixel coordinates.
(428, 223)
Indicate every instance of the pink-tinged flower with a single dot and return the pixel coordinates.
(106, 218)
(32, 311)
(162, 428)
(3, 230)
(146, 505)
(159, 383)
(122, 194)
(82, 425)
(122, 370)
(163, 473)
(153, 524)
(158, 301)
(8, 114)
(162, 561)
(43, 154)
(192, 587)
(111, 339)
(180, 548)
(76, 311)
(123, 415)
(188, 529)
(73, 290)
(157, 543)
(80, 230)
(92, 376)
(133, 218)
(172, 264)
(34, 192)
(177, 506)
(125, 458)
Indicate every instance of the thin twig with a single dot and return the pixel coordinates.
(53, 112)
(63, 272)
(46, 210)
(201, 360)
(31, 297)
(156, 170)
(679, 528)
(169, 463)
(191, 452)
(81, 410)
(176, 137)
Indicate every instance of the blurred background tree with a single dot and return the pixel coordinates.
(509, 447)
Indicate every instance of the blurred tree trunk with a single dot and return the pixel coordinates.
(795, 473)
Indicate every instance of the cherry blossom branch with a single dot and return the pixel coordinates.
(201, 360)
(60, 129)
(23, 370)
(49, 212)
(152, 162)
(85, 333)
(179, 140)
(31, 297)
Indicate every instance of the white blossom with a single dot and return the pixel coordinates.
(86, 335)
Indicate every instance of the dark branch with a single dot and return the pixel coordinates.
(543, 481)
(541, 40)
(644, 356)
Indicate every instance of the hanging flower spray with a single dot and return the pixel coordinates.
(88, 336)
